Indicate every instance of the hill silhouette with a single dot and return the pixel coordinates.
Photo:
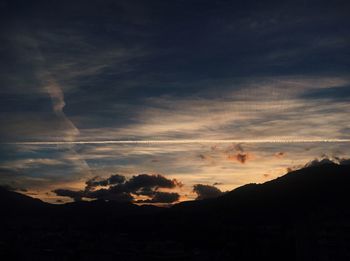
(302, 215)
(302, 191)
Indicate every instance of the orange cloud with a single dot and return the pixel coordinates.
(240, 157)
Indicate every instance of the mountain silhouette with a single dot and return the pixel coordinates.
(302, 215)
(302, 191)
(13, 201)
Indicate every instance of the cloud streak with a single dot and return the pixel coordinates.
(58, 103)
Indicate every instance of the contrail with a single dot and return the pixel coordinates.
(182, 141)
(50, 85)
(56, 93)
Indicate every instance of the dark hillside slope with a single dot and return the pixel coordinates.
(303, 215)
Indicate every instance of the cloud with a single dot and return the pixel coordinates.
(118, 188)
(240, 157)
(150, 181)
(206, 191)
(75, 195)
(109, 194)
(96, 181)
(162, 197)
(236, 152)
(266, 91)
(58, 103)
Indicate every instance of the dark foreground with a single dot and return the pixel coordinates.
(303, 215)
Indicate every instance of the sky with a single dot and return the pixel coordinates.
(165, 101)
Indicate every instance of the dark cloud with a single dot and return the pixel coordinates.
(97, 181)
(75, 195)
(109, 194)
(242, 158)
(122, 190)
(206, 191)
(150, 181)
(116, 179)
(162, 197)
(103, 194)
(145, 191)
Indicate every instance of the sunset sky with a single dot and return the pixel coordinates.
(180, 78)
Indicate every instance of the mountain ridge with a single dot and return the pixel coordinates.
(300, 216)
(304, 178)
